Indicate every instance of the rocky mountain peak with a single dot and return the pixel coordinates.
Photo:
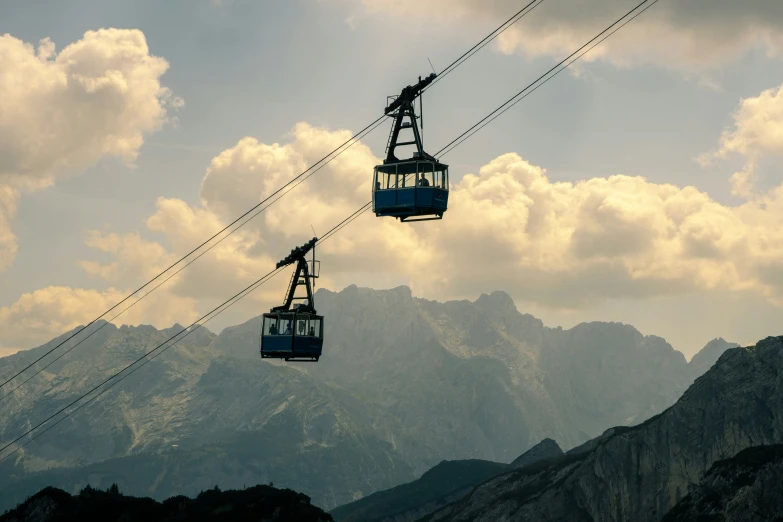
(399, 294)
(709, 355)
(496, 301)
(545, 449)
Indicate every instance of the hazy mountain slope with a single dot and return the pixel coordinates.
(640, 473)
(745, 488)
(134, 416)
(414, 380)
(569, 385)
(445, 483)
(608, 374)
(330, 475)
(259, 422)
(91, 505)
(392, 348)
(242, 341)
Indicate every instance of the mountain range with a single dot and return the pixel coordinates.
(713, 455)
(404, 384)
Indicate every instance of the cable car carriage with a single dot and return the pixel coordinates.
(295, 332)
(414, 189)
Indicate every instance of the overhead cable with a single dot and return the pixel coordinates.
(216, 311)
(369, 128)
(248, 218)
(505, 106)
(160, 348)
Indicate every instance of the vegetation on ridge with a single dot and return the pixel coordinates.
(252, 504)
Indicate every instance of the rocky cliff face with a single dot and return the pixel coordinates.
(140, 413)
(404, 384)
(640, 473)
(745, 488)
(501, 377)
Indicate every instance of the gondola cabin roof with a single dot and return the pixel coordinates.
(412, 166)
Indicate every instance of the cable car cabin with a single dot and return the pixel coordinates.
(292, 336)
(295, 332)
(411, 190)
(414, 189)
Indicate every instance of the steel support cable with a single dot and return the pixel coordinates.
(220, 309)
(188, 331)
(244, 293)
(215, 312)
(347, 222)
(462, 137)
(555, 74)
(468, 133)
(162, 347)
(459, 139)
(459, 61)
(490, 37)
(299, 182)
(451, 146)
(380, 119)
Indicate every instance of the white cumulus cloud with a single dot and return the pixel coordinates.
(9, 199)
(62, 112)
(561, 245)
(38, 316)
(758, 126)
(566, 245)
(756, 132)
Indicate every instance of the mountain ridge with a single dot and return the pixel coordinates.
(641, 472)
(482, 381)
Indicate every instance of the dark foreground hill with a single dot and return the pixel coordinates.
(640, 473)
(443, 484)
(256, 504)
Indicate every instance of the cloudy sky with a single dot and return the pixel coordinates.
(643, 187)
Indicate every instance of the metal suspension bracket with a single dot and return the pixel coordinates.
(405, 108)
(302, 277)
(413, 219)
(297, 253)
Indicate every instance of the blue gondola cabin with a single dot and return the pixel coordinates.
(287, 335)
(295, 332)
(411, 190)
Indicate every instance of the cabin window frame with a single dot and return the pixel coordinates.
(437, 177)
(308, 320)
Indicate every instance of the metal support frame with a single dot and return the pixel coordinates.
(301, 277)
(403, 107)
(411, 219)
